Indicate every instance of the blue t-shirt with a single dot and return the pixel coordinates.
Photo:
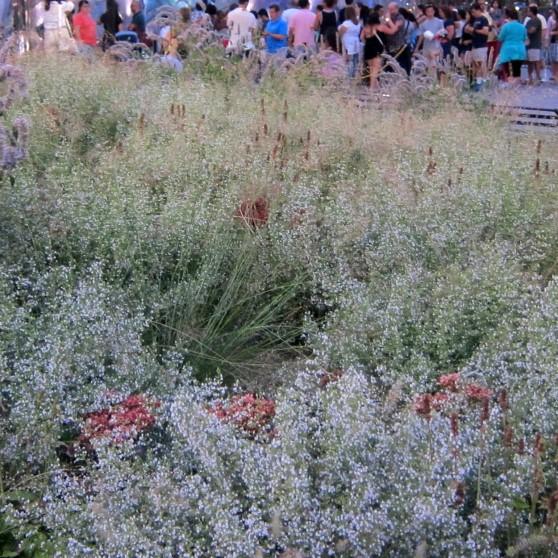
(277, 27)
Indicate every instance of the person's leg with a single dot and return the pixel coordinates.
(49, 40)
(433, 57)
(374, 67)
(515, 71)
(405, 59)
(352, 65)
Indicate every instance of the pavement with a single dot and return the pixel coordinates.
(540, 97)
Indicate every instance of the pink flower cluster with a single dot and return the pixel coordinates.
(120, 421)
(450, 385)
(247, 412)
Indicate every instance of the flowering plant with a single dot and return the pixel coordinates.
(120, 421)
(247, 412)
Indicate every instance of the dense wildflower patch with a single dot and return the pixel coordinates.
(234, 322)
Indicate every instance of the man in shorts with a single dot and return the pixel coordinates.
(479, 28)
(534, 36)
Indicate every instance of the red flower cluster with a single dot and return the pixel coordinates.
(247, 412)
(449, 381)
(425, 403)
(254, 213)
(477, 393)
(120, 421)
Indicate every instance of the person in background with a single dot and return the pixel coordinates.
(111, 22)
(349, 35)
(343, 16)
(289, 12)
(263, 19)
(459, 25)
(479, 29)
(85, 27)
(411, 29)
(380, 10)
(301, 26)
(331, 60)
(420, 13)
(199, 15)
(220, 21)
(138, 20)
(534, 36)
(364, 12)
(553, 40)
(374, 45)
(497, 14)
(242, 25)
(396, 41)
(446, 40)
(326, 19)
(55, 23)
(431, 30)
(495, 19)
(512, 50)
(276, 31)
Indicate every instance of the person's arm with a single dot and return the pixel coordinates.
(420, 40)
(388, 28)
(318, 21)
(278, 36)
(342, 30)
(483, 30)
(77, 31)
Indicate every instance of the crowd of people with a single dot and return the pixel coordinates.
(475, 40)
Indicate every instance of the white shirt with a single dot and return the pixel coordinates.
(55, 16)
(351, 37)
(287, 14)
(241, 23)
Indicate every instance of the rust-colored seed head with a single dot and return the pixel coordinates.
(503, 400)
(265, 129)
(521, 447)
(485, 413)
(552, 503)
(172, 109)
(539, 146)
(459, 496)
(508, 437)
(454, 419)
(539, 443)
(430, 151)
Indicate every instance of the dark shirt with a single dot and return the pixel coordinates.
(138, 21)
(479, 41)
(329, 21)
(534, 33)
(111, 22)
